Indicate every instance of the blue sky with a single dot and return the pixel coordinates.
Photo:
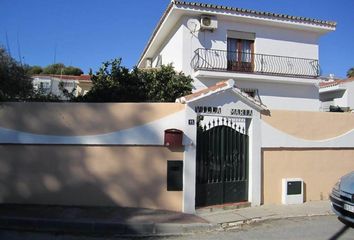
(85, 33)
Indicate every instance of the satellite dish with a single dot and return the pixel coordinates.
(193, 25)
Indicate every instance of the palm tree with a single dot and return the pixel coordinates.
(350, 72)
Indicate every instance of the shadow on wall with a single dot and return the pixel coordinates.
(82, 175)
(72, 119)
(87, 175)
(205, 39)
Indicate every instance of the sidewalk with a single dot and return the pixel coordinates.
(137, 221)
(231, 218)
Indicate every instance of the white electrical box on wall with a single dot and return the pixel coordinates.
(292, 191)
(208, 23)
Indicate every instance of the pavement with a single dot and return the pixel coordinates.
(233, 218)
(117, 221)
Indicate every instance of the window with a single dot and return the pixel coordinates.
(252, 92)
(44, 85)
(240, 56)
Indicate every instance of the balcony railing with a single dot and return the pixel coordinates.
(220, 60)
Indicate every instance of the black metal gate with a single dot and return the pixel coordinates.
(222, 163)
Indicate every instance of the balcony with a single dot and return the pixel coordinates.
(245, 62)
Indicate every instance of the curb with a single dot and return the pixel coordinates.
(103, 228)
(240, 223)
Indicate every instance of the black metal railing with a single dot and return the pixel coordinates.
(220, 60)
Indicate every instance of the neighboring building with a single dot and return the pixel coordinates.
(50, 84)
(273, 57)
(337, 95)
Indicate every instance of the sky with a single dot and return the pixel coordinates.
(85, 33)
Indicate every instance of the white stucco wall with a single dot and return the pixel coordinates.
(285, 96)
(184, 39)
(170, 51)
(51, 85)
(68, 85)
(44, 83)
(281, 96)
(347, 100)
(350, 92)
(269, 40)
(343, 96)
(342, 101)
(151, 133)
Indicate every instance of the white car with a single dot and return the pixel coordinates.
(342, 198)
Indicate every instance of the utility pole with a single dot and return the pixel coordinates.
(7, 44)
(55, 54)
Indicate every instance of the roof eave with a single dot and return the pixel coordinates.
(300, 22)
(212, 7)
(255, 104)
(264, 17)
(230, 85)
(156, 31)
(183, 100)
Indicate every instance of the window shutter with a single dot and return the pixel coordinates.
(241, 35)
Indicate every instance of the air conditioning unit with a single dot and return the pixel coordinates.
(208, 23)
(292, 191)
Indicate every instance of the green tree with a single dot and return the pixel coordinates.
(164, 84)
(56, 68)
(34, 70)
(350, 72)
(115, 83)
(15, 83)
(61, 69)
(70, 70)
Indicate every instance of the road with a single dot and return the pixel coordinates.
(324, 227)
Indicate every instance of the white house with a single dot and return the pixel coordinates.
(50, 84)
(273, 57)
(338, 94)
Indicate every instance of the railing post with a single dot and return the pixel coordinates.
(262, 63)
(198, 58)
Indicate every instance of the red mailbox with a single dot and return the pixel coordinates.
(173, 138)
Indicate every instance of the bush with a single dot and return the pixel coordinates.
(115, 83)
(15, 83)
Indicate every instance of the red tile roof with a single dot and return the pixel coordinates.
(224, 85)
(213, 88)
(335, 82)
(82, 77)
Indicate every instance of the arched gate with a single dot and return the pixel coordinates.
(222, 162)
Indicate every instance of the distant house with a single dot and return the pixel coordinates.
(337, 95)
(272, 57)
(50, 84)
